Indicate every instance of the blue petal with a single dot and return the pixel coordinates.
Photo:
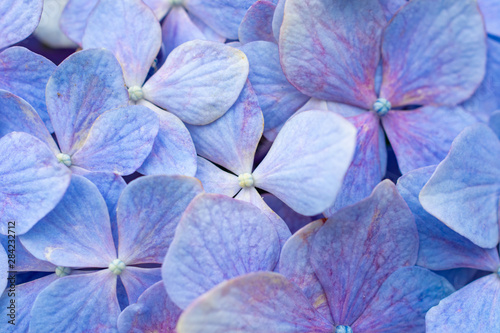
(74, 18)
(136, 280)
(216, 180)
(494, 123)
(257, 23)
(18, 19)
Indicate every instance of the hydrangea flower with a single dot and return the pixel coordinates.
(351, 274)
(147, 214)
(95, 130)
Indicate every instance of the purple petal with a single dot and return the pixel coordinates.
(25, 74)
(423, 137)
(178, 29)
(18, 19)
(159, 7)
(154, 311)
(130, 30)
(213, 72)
(32, 181)
(136, 280)
(490, 9)
(148, 213)
(402, 302)
(463, 192)
(293, 220)
(256, 302)
(119, 141)
(63, 238)
(308, 160)
(218, 238)
(257, 23)
(326, 51)
(75, 98)
(74, 18)
(359, 247)
(216, 180)
(476, 305)
(450, 50)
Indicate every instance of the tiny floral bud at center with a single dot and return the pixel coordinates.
(174, 3)
(382, 106)
(64, 159)
(245, 180)
(117, 266)
(63, 271)
(343, 329)
(135, 93)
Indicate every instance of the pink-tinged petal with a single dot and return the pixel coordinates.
(257, 23)
(440, 247)
(218, 238)
(24, 296)
(293, 220)
(199, 81)
(74, 18)
(402, 302)
(445, 64)
(328, 54)
(136, 280)
(77, 303)
(278, 99)
(295, 265)
(25, 74)
(178, 29)
(368, 165)
(216, 180)
(251, 195)
(463, 191)
(76, 97)
(231, 140)
(148, 213)
(490, 9)
(32, 181)
(224, 16)
(308, 160)
(18, 116)
(370, 239)
(154, 311)
(173, 151)
(476, 305)
(18, 19)
(423, 137)
(119, 141)
(256, 302)
(159, 7)
(62, 237)
(131, 31)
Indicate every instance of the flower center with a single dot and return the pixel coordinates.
(343, 329)
(63, 271)
(135, 93)
(64, 159)
(382, 106)
(174, 3)
(245, 180)
(117, 266)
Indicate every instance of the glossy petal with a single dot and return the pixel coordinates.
(25, 74)
(326, 53)
(131, 31)
(18, 19)
(32, 181)
(372, 238)
(148, 213)
(257, 23)
(402, 301)
(295, 265)
(74, 18)
(216, 180)
(92, 307)
(278, 99)
(256, 302)
(178, 28)
(63, 238)
(224, 16)
(154, 311)
(440, 247)
(450, 48)
(494, 123)
(199, 81)
(423, 137)
(218, 238)
(119, 141)
(468, 206)
(136, 280)
(76, 97)
(173, 151)
(293, 220)
(475, 305)
(231, 140)
(490, 9)
(308, 160)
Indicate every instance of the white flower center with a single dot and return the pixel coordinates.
(117, 266)
(174, 3)
(63, 271)
(382, 106)
(135, 93)
(64, 159)
(245, 180)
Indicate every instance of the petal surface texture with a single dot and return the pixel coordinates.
(18, 19)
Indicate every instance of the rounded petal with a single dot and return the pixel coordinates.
(257, 23)
(137, 279)
(74, 18)
(18, 19)
(178, 29)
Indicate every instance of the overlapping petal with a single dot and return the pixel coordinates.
(18, 19)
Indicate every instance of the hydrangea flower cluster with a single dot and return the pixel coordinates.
(294, 166)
